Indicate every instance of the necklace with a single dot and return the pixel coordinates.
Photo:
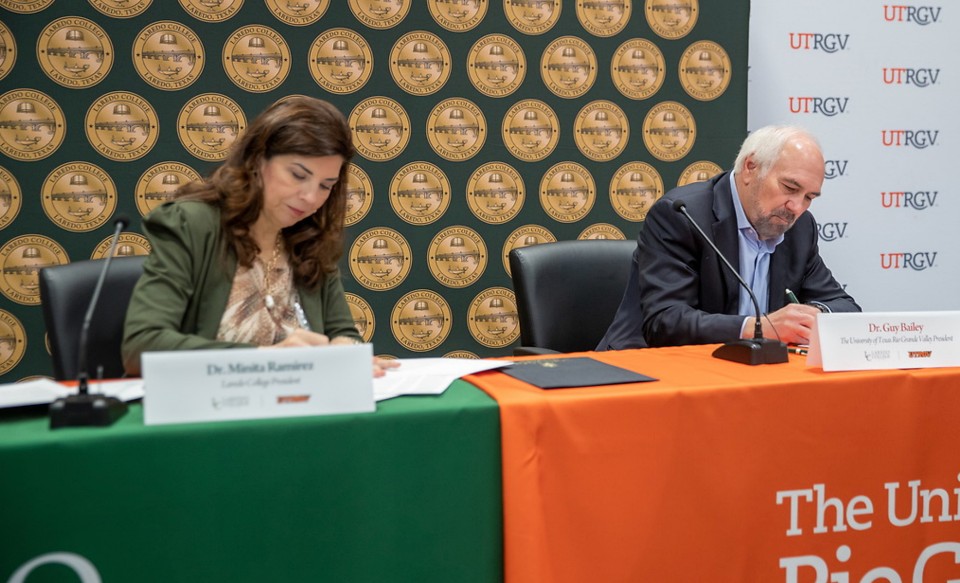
(268, 273)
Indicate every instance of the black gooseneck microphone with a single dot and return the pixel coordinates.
(85, 409)
(756, 350)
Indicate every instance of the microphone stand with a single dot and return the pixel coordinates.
(89, 409)
(752, 351)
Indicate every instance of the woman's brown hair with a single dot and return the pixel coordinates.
(294, 125)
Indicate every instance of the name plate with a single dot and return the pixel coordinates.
(249, 383)
(885, 340)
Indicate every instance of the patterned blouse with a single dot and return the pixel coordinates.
(261, 310)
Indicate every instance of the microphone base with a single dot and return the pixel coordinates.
(86, 410)
(753, 351)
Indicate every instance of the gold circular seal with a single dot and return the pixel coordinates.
(458, 16)
(79, 196)
(568, 67)
(256, 58)
(705, 70)
(457, 256)
(567, 192)
(633, 190)
(638, 68)
(8, 51)
(121, 8)
(122, 126)
(208, 124)
(461, 354)
(32, 125)
(495, 193)
(601, 130)
(421, 320)
(11, 198)
(420, 63)
(532, 16)
(492, 317)
(420, 193)
(25, 6)
(168, 55)
(496, 65)
(380, 259)
(13, 341)
(669, 131)
(672, 19)
(160, 183)
(340, 61)
(524, 237)
(359, 194)
(602, 231)
(604, 17)
(75, 52)
(362, 314)
(211, 10)
(299, 12)
(531, 130)
(698, 172)
(456, 129)
(128, 245)
(379, 14)
(381, 128)
(22, 259)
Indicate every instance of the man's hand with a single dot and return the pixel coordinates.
(792, 324)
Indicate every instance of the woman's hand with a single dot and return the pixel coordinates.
(301, 337)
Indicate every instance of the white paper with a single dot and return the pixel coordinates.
(428, 376)
(42, 391)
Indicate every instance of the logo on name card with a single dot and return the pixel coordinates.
(359, 194)
(633, 190)
(420, 193)
(638, 68)
(602, 231)
(496, 65)
(669, 131)
(209, 124)
(601, 130)
(568, 67)
(8, 51)
(75, 52)
(458, 16)
(362, 314)
(835, 168)
(122, 126)
(698, 172)
(256, 58)
(457, 256)
(604, 18)
(78, 196)
(11, 198)
(32, 125)
(168, 55)
(456, 129)
(381, 128)
(160, 183)
(421, 320)
(299, 12)
(916, 76)
(22, 259)
(916, 261)
(705, 70)
(917, 139)
(921, 15)
(531, 130)
(672, 19)
(532, 16)
(379, 14)
(492, 317)
(831, 231)
(25, 6)
(211, 10)
(919, 200)
(380, 259)
(817, 41)
(524, 237)
(121, 8)
(340, 61)
(495, 193)
(567, 192)
(13, 341)
(128, 245)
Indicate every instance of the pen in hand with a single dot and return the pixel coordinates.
(791, 297)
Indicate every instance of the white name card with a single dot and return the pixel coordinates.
(885, 340)
(248, 383)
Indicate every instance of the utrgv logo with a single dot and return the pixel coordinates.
(828, 106)
(835, 168)
(918, 139)
(919, 200)
(922, 15)
(915, 261)
(815, 41)
(910, 76)
(831, 231)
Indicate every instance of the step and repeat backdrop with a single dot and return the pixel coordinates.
(877, 82)
(480, 127)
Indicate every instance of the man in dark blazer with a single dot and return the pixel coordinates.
(679, 292)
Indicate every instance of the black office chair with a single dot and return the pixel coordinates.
(65, 292)
(568, 292)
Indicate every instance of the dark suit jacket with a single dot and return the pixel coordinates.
(679, 292)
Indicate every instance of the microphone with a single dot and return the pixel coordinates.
(757, 350)
(84, 408)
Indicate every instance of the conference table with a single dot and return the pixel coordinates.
(716, 471)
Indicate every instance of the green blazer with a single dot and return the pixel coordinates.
(182, 295)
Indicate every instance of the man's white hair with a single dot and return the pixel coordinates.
(767, 143)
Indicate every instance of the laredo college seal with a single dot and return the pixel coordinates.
(532, 16)
(208, 124)
(122, 126)
(567, 192)
(458, 16)
(568, 67)
(633, 190)
(602, 231)
(11, 198)
(25, 6)
(21, 260)
(604, 17)
(379, 14)
(672, 19)
(456, 129)
(8, 51)
(705, 70)
(669, 131)
(495, 193)
(420, 63)
(457, 256)
(340, 61)
(13, 341)
(493, 318)
(496, 65)
(211, 11)
(121, 8)
(381, 128)
(301, 13)
(359, 194)
(32, 125)
(128, 244)
(256, 58)
(168, 55)
(380, 259)
(421, 320)
(531, 130)
(362, 315)
(420, 193)
(601, 130)
(78, 196)
(75, 52)
(159, 184)
(638, 68)
(698, 172)
(524, 237)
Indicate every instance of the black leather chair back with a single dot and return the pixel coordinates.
(568, 291)
(65, 292)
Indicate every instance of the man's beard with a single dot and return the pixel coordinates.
(767, 228)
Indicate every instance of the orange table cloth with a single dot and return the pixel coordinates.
(720, 471)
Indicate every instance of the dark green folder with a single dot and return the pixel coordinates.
(565, 373)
